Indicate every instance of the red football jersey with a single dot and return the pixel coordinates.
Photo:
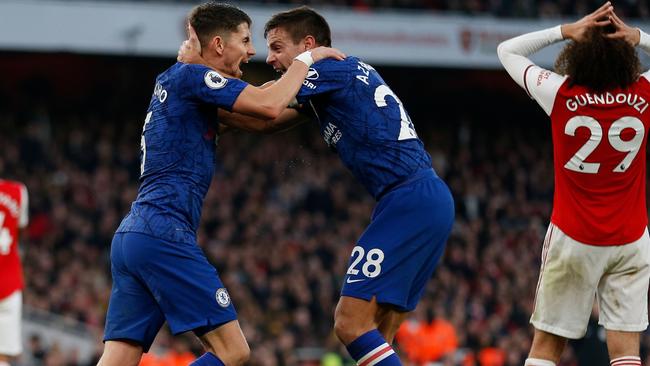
(13, 215)
(599, 150)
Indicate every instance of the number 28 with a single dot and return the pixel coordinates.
(577, 162)
(372, 267)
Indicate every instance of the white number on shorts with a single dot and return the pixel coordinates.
(143, 144)
(352, 270)
(373, 259)
(5, 236)
(577, 161)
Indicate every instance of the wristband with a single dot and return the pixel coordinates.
(305, 58)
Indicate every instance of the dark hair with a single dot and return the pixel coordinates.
(213, 18)
(300, 23)
(599, 63)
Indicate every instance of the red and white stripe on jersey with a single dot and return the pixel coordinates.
(13, 215)
(626, 361)
(542, 85)
(599, 144)
(376, 355)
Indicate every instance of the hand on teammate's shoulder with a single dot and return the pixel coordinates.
(323, 52)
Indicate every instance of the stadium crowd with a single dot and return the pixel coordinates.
(279, 223)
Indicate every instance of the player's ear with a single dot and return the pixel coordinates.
(309, 42)
(218, 44)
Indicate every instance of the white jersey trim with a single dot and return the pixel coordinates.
(644, 41)
(644, 44)
(24, 207)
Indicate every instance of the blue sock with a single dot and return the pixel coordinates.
(371, 349)
(208, 359)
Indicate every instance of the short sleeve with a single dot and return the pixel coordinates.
(24, 207)
(542, 85)
(209, 86)
(324, 77)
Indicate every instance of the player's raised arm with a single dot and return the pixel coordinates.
(633, 36)
(540, 84)
(513, 52)
(271, 101)
(524, 72)
(288, 119)
(268, 101)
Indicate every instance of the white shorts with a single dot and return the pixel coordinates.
(10, 321)
(572, 273)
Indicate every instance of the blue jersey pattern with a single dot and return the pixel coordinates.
(365, 122)
(178, 151)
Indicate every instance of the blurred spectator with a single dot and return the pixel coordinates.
(280, 220)
(178, 355)
(491, 356)
(426, 338)
(36, 349)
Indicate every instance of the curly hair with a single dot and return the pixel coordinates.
(599, 63)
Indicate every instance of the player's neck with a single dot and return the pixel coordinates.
(214, 61)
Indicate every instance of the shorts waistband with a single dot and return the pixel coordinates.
(420, 174)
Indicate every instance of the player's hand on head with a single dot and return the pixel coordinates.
(322, 52)
(624, 31)
(190, 50)
(599, 18)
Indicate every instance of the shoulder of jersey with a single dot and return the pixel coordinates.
(12, 183)
(331, 63)
(332, 68)
(211, 78)
(645, 76)
(180, 71)
(189, 68)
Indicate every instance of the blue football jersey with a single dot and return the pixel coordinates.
(365, 122)
(177, 157)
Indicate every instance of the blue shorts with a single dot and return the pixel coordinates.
(402, 246)
(156, 280)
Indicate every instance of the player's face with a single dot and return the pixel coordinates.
(238, 48)
(282, 50)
